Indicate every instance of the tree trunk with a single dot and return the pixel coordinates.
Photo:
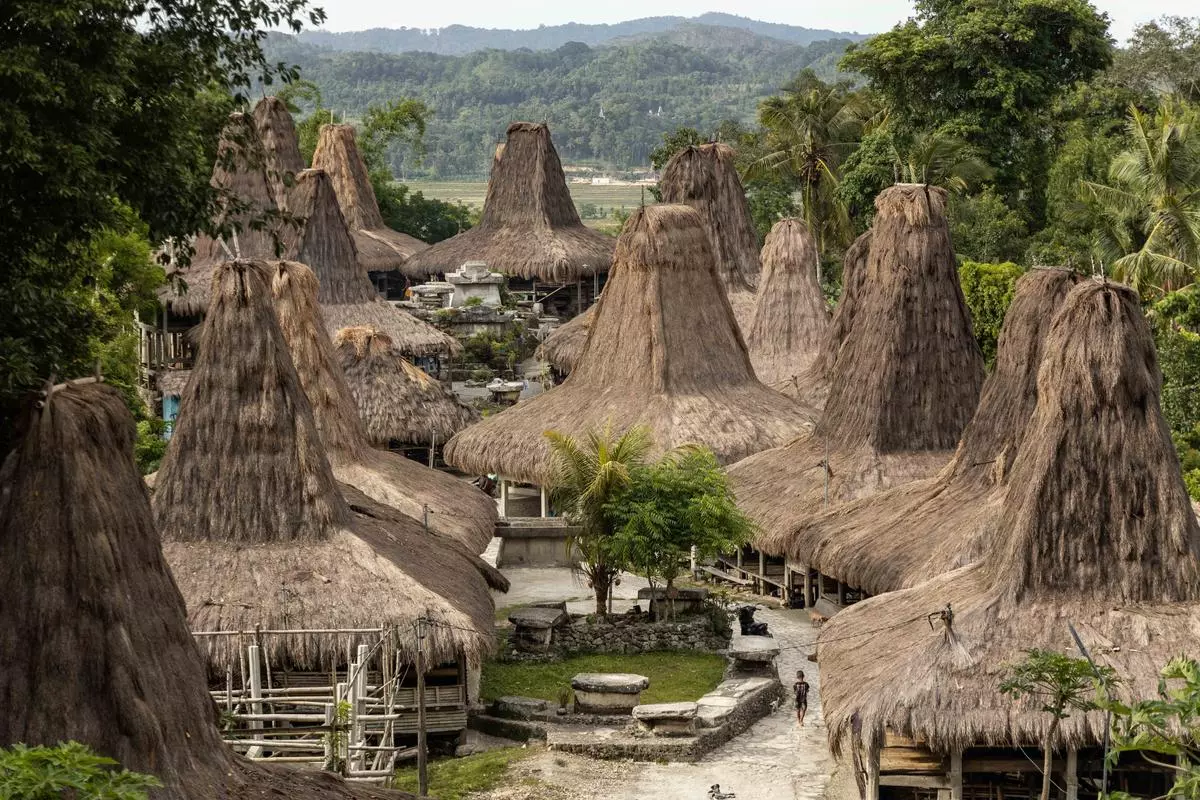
(1047, 760)
(601, 582)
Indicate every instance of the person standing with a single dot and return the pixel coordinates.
(800, 689)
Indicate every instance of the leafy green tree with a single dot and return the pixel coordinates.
(866, 172)
(1177, 338)
(988, 290)
(1062, 684)
(589, 473)
(941, 160)
(1163, 57)
(428, 219)
(672, 143)
(68, 770)
(680, 503)
(984, 228)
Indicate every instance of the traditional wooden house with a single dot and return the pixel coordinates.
(1096, 538)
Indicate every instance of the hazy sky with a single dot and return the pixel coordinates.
(865, 16)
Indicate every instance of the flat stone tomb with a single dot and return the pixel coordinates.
(667, 719)
(609, 693)
(534, 627)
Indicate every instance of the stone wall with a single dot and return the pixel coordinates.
(630, 633)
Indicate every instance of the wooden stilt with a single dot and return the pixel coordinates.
(1072, 774)
(956, 775)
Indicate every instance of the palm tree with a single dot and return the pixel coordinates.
(588, 474)
(1151, 205)
(941, 160)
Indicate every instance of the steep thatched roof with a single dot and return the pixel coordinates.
(565, 344)
(529, 227)
(94, 643)
(790, 318)
(396, 400)
(277, 131)
(905, 384)
(1096, 531)
(457, 508)
(172, 381)
(258, 531)
(665, 353)
(248, 210)
(812, 385)
(379, 248)
(906, 535)
(347, 296)
(705, 178)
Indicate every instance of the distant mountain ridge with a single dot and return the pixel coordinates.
(463, 39)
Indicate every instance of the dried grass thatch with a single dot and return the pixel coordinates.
(281, 144)
(257, 530)
(93, 630)
(529, 227)
(172, 381)
(904, 536)
(665, 353)
(347, 296)
(397, 401)
(565, 344)
(249, 209)
(378, 247)
(705, 178)
(457, 508)
(790, 318)
(905, 384)
(1096, 531)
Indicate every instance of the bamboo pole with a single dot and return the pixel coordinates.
(422, 741)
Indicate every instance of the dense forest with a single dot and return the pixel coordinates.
(608, 105)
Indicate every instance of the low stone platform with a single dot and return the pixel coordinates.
(667, 719)
(753, 655)
(534, 626)
(608, 692)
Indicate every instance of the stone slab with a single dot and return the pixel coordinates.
(753, 648)
(713, 710)
(665, 711)
(737, 688)
(512, 707)
(610, 683)
(538, 618)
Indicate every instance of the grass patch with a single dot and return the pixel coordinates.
(674, 676)
(455, 778)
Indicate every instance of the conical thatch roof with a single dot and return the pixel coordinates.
(665, 353)
(94, 643)
(565, 344)
(347, 296)
(379, 248)
(906, 382)
(529, 227)
(457, 508)
(257, 530)
(1096, 531)
(904, 536)
(396, 400)
(705, 178)
(277, 131)
(812, 385)
(790, 318)
(249, 210)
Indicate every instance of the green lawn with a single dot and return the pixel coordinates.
(673, 676)
(455, 778)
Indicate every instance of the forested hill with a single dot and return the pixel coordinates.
(457, 40)
(694, 75)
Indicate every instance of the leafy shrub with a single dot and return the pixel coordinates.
(988, 289)
(68, 770)
(150, 445)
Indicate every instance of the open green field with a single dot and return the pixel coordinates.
(604, 198)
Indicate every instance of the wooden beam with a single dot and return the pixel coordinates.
(873, 774)
(915, 781)
(956, 775)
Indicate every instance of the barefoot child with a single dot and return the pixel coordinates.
(800, 688)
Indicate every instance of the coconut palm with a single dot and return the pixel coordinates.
(588, 474)
(941, 160)
(1151, 205)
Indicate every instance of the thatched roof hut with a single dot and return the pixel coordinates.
(665, 353)
(790, 317)
(529, 227)
(348, 298)
(1096, 531)
(906, 535)
(281, 144)
(248, 210)
(94, 643)
(565, 344)
(258, 531)
(812, 385)
(378, 247)
(457, 508)
(397, 401)
(705, 178)
(905, 384)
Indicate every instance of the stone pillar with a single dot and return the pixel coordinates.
(503, 498)
(545, 502)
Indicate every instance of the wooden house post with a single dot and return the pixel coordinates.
(873, 773)
(1072, 774)
(956, 775)
(808, 587)
(503, 497)
(545, 502)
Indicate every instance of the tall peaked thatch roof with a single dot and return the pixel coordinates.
(665, 352)
(565, 344)
(379, 248)
(94, 642)
(457, 508)
(395, 399)
(529, 227)
(248, 210)
(705, 178)
(1096, 531)
(347, 295)
(905, 384)
(281, 144)
(258, 531)
(906, 535)
(790, 318)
